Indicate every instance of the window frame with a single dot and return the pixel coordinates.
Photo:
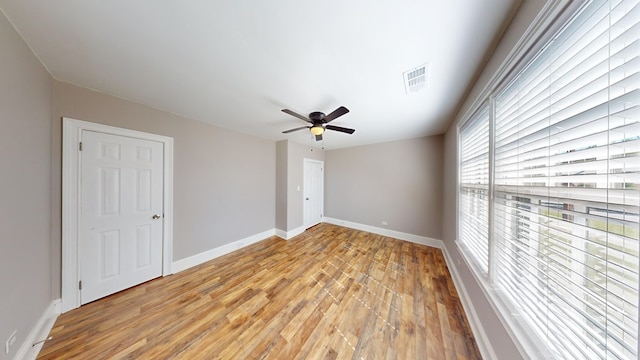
(550, 20)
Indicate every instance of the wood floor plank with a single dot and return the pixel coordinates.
(329, 293)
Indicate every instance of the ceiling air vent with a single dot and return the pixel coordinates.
(416, 78)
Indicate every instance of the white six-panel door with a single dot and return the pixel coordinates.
(313, 207)
(121, 213)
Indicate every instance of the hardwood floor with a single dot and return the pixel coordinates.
(330, 293)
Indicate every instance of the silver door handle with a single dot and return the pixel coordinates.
(155, 217)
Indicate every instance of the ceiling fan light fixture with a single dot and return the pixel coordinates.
(317, 130)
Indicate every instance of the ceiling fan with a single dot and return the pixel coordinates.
(319, 122)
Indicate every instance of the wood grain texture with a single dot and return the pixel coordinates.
(329, 293)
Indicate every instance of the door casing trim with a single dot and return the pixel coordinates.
(71, 134)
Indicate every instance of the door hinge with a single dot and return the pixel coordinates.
(80, 285)
(80, 146)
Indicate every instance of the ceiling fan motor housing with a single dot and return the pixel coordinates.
(316, 116)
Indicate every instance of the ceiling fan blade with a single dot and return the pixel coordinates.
(341, 129)
(296, 129)
(318, 137)
(335, 114)
(293, 113)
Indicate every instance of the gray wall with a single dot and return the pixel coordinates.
(224, 182)
(25, 191)
(398, 182)
(295, 177)
(281, 184)
(501, 342)
(290, 176)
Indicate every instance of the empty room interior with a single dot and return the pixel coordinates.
(320, 180)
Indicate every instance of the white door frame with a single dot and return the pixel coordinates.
(304, 202)
(71, 134)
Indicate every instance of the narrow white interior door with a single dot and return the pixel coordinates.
(121, 213)
(313, 192)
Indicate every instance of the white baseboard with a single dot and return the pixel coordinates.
(422, 240)
(281, 234)
(191, 261)
(484, 344)
(290, 234)
(40, 331)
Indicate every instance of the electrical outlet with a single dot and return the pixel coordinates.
(10, 341)
(385, 223)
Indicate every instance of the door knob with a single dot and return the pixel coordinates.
(307, 199)
(155, 217)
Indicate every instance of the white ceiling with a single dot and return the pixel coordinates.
(236, 64)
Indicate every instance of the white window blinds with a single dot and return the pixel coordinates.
(474, 187)
(567, 187)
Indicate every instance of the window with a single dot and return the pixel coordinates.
(474, 188)
(566, 169)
